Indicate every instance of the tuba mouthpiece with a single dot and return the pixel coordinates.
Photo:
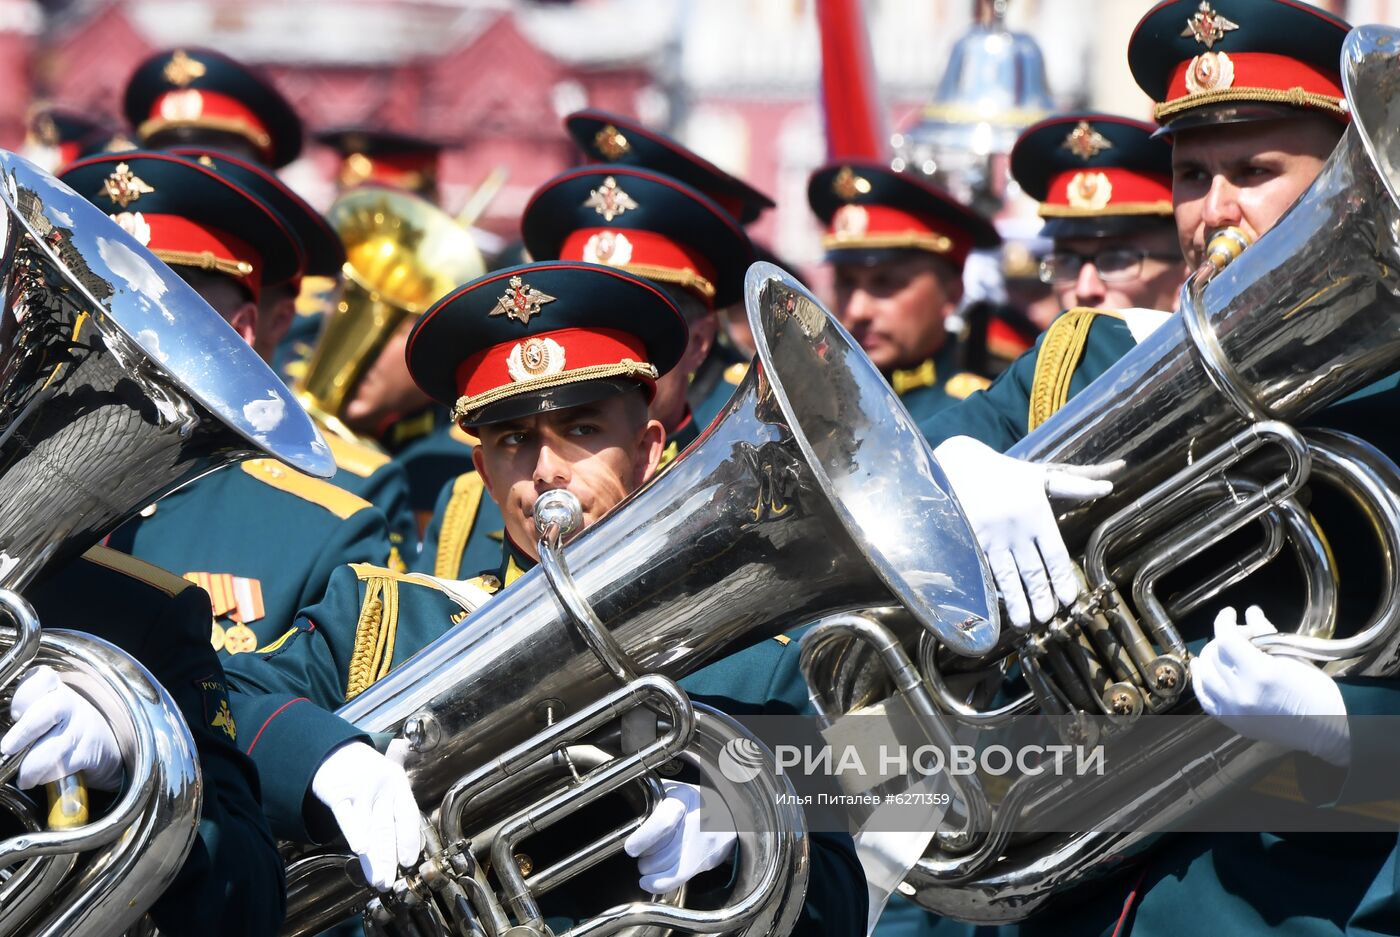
(558, 508)
(1224, 246)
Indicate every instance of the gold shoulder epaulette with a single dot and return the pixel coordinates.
(140, 570)
(734, 374)
(463, 437)
(458, 519)
(355, 458)
(1059, 356)
(338, 501)
(963, 383)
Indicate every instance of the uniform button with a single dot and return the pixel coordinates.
(490, 583)
(148, 511)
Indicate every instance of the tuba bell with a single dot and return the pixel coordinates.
(812, 492)
(402, 254)
(1201, 412)
(118, 384)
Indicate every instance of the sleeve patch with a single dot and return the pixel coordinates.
(213, 695)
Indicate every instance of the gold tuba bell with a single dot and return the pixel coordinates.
(1201, 413)
(118, 384)
(813, 492)
(402, 254)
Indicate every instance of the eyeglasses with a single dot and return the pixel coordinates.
(1114, 265)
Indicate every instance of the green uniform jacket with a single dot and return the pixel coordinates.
(373, 476)
(432, 451)
(345, 643)
(1225, 883)
(231, 882)
(262, 539)
(714, 383)
(1077, 348)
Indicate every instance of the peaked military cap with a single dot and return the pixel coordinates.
(870, 210)
(1095, 175)
(611, 138)
(325, 254)
(200, 89)
(191, 216)
(1227, 61)
(385, 157)
(641, 221)
(66, 135)
(544, 336)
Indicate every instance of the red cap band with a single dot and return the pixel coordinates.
(1107, 190)
(645, 253)
(196, 107)
(545, 355)
(179, 241)
(871, 225)
(1251, 76)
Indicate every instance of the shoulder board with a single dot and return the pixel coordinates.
(458, 519)
(925, 375)
(140, 570)
(734, 374)
(367, 571)
(1059, 356)
(355, 458)
(338, 501)
(462, 436)
(963, 383)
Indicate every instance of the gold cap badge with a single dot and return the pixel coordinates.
(609, 200)
(847, 185)
(850, 221)
(520, 302)
(1207, 26)
(123, 186)
(181, 69)
(608, 247)
(611, 142)
(1089, 190)
(1086, 142)
(535, 357)
(1210, 71)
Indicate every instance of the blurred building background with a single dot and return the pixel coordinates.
(735, 79)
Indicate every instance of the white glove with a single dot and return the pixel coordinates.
(373, 804)
(1008, 502)
(1237, 682)
(68, 733)
(690, 831)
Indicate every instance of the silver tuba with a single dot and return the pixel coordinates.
(813, 492)
(118, 384)
(1201, 412)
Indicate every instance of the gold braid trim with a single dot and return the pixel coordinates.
(936, 243)
(374, 634)
(466, 406)
(205, 260)
(366, 640)
(1123, 208)
(681, 276)
(457, 520)
(1296, 97)
(925, 375)
(1055, 363)
(229, 124)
